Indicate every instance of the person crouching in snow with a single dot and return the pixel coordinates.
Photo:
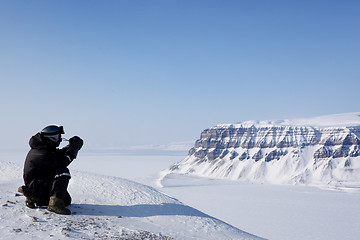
(46, 175)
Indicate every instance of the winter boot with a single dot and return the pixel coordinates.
(57, 205)
(29, 202)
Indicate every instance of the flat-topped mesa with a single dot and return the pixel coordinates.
(276, 153)
(225, 137)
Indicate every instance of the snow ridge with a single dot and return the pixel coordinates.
(106, 208)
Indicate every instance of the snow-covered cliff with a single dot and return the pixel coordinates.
(322, 150)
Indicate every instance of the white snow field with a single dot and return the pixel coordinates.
(279, 212)
(271, 211)
(276, 212)
(125, 197)
(106, 207)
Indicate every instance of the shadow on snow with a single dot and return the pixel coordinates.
(143, 210)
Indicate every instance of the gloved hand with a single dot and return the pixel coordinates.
(75, 144)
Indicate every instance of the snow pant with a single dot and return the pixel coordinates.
(40, 190)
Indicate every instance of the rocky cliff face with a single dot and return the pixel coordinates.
(276, 154)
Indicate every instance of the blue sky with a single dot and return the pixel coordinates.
(123, 73)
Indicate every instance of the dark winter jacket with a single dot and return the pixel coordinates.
(43, 162)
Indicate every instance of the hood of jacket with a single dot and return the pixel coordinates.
(36, 142)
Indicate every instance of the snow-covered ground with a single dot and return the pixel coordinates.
(269, 211)
(106, 207)
(273, 211)
(103, 189)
